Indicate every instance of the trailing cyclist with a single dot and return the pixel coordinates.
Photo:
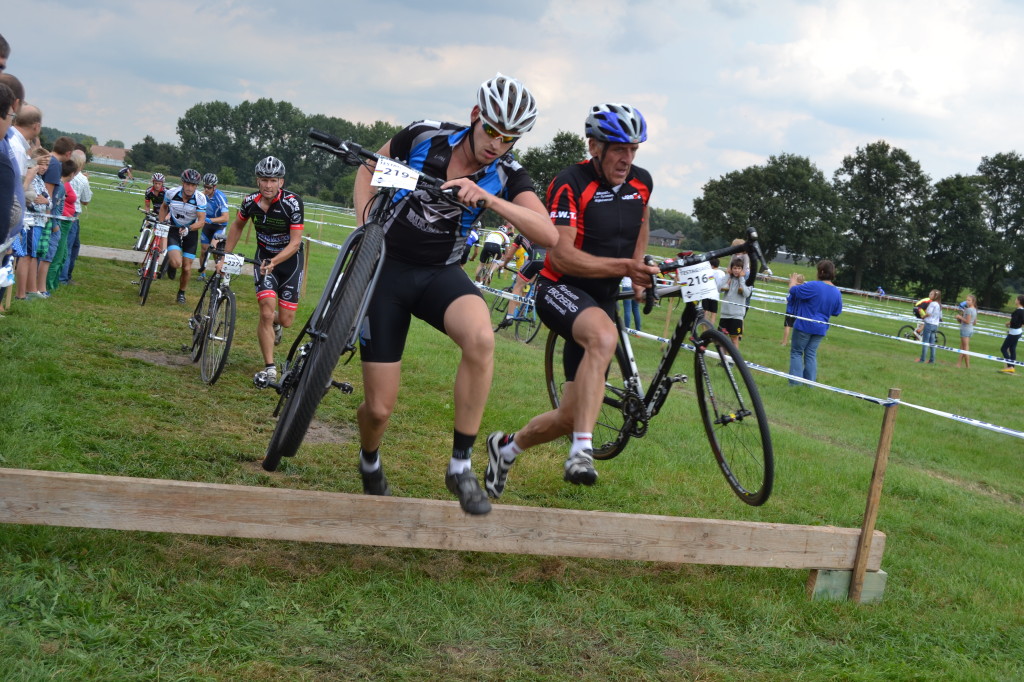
(278, 216)
(125, 176)
(216, 217)
(186, 209)
(600, 209)
(422, 275)
(534, 263)
(155, 193)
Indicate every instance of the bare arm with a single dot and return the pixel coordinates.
(362, 192)
(526, 212)
(234, 233)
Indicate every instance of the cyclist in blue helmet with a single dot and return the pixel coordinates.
(599, 208)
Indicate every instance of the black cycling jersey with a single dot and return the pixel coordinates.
(607, 219)
(156, 197)
(273, 226)
(427, 232)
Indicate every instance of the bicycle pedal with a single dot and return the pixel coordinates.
(261, 380)
(342, 386)
(678, 379)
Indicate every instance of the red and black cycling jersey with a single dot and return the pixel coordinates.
(606, 219)
(273, 226)
(156, 196)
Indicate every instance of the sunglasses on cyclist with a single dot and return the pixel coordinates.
(494, 133)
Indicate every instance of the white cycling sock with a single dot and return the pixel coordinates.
(581, 440)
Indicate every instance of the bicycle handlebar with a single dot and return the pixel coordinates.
(222, 252)
(351, 152)
(750, 245)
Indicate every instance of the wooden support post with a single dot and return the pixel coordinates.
(874, 496)
(90, 501)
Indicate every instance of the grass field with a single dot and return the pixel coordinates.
(95, 384)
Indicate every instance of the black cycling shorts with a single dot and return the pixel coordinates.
(284, 282)
(490, 250)
(187, 244)
(209, 230)
(731, 326)
(710, 305)
(558, 306)
(531, 269)
(403, 291)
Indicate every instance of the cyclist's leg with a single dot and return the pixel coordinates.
(468, 324)
(381, 381)
(265, 328)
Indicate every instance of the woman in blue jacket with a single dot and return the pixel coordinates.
(813, 304)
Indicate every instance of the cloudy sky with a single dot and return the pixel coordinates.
(724, 84)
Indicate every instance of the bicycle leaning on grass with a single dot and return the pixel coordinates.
(213, 320)
(333, 327)
(730, 405)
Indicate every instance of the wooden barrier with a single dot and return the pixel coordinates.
(140, 504)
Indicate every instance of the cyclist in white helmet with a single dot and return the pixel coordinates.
(600, 212)
(422, 273)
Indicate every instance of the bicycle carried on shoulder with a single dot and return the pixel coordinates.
(730, 405)
(213, 320)
(333, 327)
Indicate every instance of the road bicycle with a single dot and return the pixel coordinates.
(525, 321)
(333, 327)
(148, 271)
(730, 405)
(909, 331)
(213, 320)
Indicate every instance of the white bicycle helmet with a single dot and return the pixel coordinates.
(270, 167)
(210, 179)
(159, 177)
(507, 105)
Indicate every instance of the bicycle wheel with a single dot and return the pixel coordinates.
(940, 338)
(612, 431)
(734, 418)
(311, 377)
(199, 322)
(499, 306)
(221, 328)
(148, 274)
(907, 332)
(527, 323)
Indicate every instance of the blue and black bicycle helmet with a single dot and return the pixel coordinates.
(616, 123)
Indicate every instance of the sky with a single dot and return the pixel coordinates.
(723, 84)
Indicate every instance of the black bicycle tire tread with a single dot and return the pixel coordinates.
(761, 495)
(296, 415)
(227, 299)
(147, 281)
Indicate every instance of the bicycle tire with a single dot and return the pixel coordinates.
(220, 332)
(148, 274)
(734, 418)
(528, 325)
(940, 338)
(907, 332)
(298, 406)
(200, 323)
(611, 432)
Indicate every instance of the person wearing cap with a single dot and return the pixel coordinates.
(422, 275)
(600, 209)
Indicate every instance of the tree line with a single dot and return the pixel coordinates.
(879, 217)
(882, 220)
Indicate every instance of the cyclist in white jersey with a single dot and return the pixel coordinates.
(186, 209)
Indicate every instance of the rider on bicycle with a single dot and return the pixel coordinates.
(600, 211)
(187, 210)
(422, 275)
(278, 216)
(535, 261)
(216, 217)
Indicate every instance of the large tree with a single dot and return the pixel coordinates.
(545, 162)
(788, 200)
(959, 239)
(884, 195)
(1002, 179)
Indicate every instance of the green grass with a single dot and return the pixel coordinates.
(93, 383)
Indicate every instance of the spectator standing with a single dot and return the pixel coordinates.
(630, 306)
(66, 211)
(710, 305)
(787, 322)
(1016, 325)
(967, 316)
(9, 177)
(37, 207)
(61, 152)
(932, 317)
(83, 191)
(814, 303)
(734, 295)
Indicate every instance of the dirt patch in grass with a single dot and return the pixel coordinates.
(157, 358)
(323, 432)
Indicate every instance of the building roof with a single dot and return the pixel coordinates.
(115, 153)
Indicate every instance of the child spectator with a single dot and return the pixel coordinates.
(1016, 325)
(710, 305)
(734, 292)
(37, 201)
(967, 316)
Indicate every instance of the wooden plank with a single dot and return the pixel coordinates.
(90, 501)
